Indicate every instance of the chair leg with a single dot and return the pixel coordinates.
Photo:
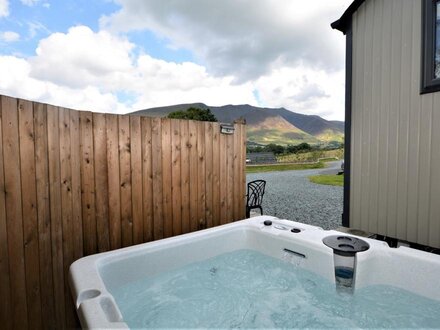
(248, 212)
(261, 210)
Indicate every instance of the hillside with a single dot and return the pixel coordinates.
(267, 125)
(264, 129)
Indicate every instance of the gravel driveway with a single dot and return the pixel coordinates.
(290, 195)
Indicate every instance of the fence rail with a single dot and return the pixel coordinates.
(74, 183)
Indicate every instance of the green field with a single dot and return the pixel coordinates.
(330, 180)
(282, 167)
(312, 156)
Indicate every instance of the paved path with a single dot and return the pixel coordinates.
(290, 195)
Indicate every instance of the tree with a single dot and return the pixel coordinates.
(194, 114)
(302, 147)
(275, 148)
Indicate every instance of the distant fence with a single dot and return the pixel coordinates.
(74, 183)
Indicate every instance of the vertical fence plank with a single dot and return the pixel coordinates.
(243, 173)
(156, 147)
(88, 183)
(216, 174)
(101, 177)
(147, 179)
(136, 179)
(185, 175)
(30, 219)
(176, 184)
(125, 177)
(53, 141)
(114, 197)
(5, 288)
(167, 178)
(201, 180)
(223, 180)
(14, 211)
(208, 173)
(67, 208)
(43, 207)
(75, 159)
(230, 176)
(236, 172)
(193, 176)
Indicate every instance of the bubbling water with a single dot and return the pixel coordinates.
(246, 289)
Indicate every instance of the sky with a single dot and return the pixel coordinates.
(119, 56)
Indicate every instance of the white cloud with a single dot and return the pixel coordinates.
(15, 80)
(241, 38)
(247, 57)
(284, 48)
(304, 90)
(29, 3)
(4, 8)
(82, 57)
(35, 27)
(163, 83)
(84, 69)
(9, 36)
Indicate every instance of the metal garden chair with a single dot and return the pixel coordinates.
(254, 197)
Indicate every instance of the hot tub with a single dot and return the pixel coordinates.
(107, 288)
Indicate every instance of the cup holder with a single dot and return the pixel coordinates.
(86, 295)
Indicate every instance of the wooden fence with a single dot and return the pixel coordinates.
(74, 183)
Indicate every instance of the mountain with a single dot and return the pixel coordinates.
(267, 125)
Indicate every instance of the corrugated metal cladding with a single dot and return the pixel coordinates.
(395, 175)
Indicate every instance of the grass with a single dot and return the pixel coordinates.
(312, 156)
(282, 167)
(330, 159)
(328, 179)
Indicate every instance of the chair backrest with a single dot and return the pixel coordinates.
(255, 192)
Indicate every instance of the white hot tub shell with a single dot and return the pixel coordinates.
(405, 268)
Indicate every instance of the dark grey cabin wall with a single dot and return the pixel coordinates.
(395, 131)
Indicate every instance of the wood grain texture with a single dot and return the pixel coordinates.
(176, 183)
(75, 159)
(5, 285)
(185, 175)
(53, 142)
(101, 177)
(147, 179)
(193, 176)
(74, 183)
(44, 216)
(230, 178)
(114, 193)
(223, 180)
(208, 174)
(243, 140)
(136, 179)
(125, 177)
(201, 178)
(14, 217)
(216, 174)
(236, 176)
(88, 183)
(66, 208)
(29, 209)
(156, 147)
(167, 178)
